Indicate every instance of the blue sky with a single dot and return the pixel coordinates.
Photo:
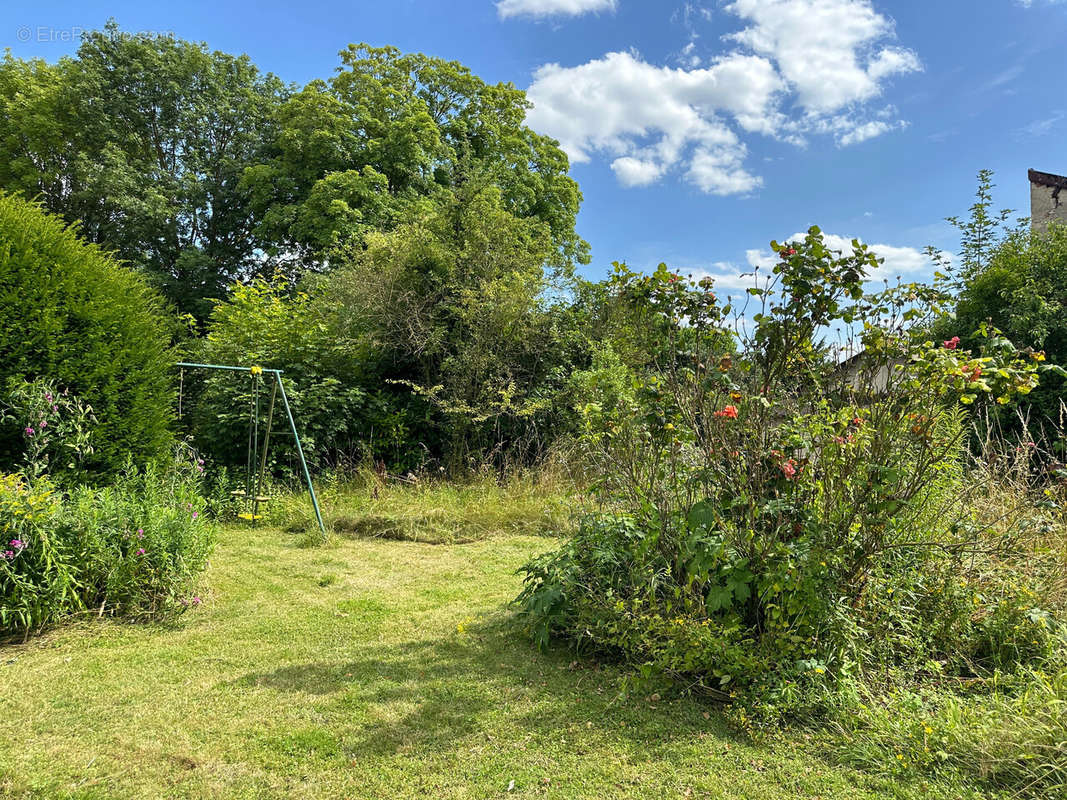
(699, 131)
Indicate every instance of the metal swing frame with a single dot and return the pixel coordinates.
(277, 389)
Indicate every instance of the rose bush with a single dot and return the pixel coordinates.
(762, 498)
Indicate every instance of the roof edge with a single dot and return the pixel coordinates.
(1047, 179)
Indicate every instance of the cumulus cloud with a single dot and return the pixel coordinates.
(797, 68)
(651, 119)
(905, 262)
(551, 8)
(825, 49)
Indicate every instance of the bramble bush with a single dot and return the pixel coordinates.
(776, 522)
(130, 549)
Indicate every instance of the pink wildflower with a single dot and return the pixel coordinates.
(952, 344)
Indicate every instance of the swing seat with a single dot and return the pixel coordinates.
(237, 493)
(250, 517)
(261, 499)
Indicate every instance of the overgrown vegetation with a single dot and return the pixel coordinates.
(1013, 278)
(132, 548)
(74, 316)
(864, 540)
(368, 504)
(779, 526)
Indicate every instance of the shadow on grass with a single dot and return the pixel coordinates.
(427, 694)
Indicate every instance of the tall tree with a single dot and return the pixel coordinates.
(392, 136)
(143, 140)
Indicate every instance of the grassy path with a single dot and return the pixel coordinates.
(366, 669)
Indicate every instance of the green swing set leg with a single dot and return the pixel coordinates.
(277, 373)
(300, 452)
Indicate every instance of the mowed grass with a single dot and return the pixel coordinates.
(367, 668)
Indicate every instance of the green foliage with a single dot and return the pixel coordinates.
(393, 136)
(458, 309)
(267, 324)
(55, 425)
(73, 316)
(1020, 290)
(143, 140)
(452, 223)
(765, 500)
(982, 232)
(438, 341)
(132, 549)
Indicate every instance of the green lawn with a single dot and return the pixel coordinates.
(369, 668)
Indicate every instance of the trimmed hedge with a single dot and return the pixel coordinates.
(72, 314)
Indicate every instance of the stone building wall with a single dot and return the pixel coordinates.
(1048, 199)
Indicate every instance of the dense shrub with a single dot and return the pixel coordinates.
(70, 313)
(437, 342)
(1019, 288)
(777, 523)
(131, 549)
(270, 324)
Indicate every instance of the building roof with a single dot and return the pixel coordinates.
(1048, 179)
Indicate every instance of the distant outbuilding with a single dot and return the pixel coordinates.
(1048, 199)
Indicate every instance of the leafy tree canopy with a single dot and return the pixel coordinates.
(197, 168)
(393, 135)
(143, 140)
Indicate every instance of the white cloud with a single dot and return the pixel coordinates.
(635, 172)
(550, 8)
(825, 49)
(1040, 127)
(899, 261)
(1003, 78)
(799, 68)
(862, 133)
(652, 119)
(906, 262)
(688, 56)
